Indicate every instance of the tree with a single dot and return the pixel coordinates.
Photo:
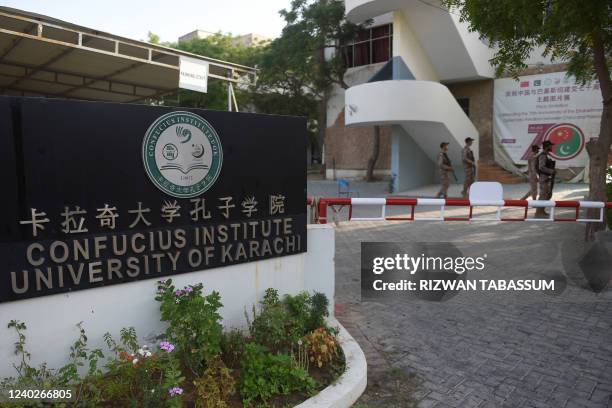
(296, 70)
(218, 46)
(268, 95)
(223, 47)
(283, 87)
(578, 32)
(374, 157)
(153, 38)
(305, 61)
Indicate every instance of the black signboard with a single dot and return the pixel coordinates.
(101, 193)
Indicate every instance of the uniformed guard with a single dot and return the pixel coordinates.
(446, 167)
(469, 165)
(532, 173)
(546, 172)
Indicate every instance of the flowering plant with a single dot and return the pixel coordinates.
(194, 328)
(195, 364)
(166, 346)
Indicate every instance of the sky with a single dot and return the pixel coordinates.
(169, 19)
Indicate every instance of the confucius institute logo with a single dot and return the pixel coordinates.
(182, 154)
(568, 141)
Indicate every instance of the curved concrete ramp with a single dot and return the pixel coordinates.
(426, 110)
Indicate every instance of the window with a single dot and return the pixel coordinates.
(372, 45)
(465, 105)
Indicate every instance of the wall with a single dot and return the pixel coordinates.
(409, 162)
(353, 76)
(348, 150)
(407, 46)
(477, 49)
(52, 320)
(480, 94)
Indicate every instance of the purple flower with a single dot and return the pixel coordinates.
(188, 289)
(175, 391)
(178, 293)
(164, 345)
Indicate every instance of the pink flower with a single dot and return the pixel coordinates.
(167, 346)
(174, 391)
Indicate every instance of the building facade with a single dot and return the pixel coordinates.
(420, 74)
(251, 40)
(195, 34)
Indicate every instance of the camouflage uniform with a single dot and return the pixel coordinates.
(546, 174)
(467, 156)
(445, 166)
(532, 172)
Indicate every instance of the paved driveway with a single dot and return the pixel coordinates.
(483, 349)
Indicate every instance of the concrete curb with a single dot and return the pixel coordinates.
(349, 387)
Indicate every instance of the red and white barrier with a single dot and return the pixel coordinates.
(482, 194)
(442, 205)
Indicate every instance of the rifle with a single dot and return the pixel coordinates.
(454, 175)
(447, 162)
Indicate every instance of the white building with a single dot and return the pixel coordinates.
(199, 34)
(419, 73)
(251, 40)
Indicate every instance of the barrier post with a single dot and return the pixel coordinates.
(322, 211)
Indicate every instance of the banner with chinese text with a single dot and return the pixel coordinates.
(546, 107)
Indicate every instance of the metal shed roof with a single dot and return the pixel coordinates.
(43, 56)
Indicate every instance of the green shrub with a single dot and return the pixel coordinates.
(280, 324)
(232, 348)
(269, 326)
(194, 323)
(265, 375)
(319, 305)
